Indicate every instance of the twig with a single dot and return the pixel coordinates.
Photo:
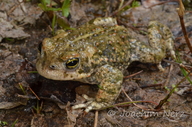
(180, 12)
(150, 85)
(133, 74)
(96, 119)
(25, 96)
(160, 3)
(23, 8)
(139, 106)
(126, 4)
(168, 77)
(34, 93)
(122, 1)
(12, 9)
(178, 64)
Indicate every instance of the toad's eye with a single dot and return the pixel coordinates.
(72, 63)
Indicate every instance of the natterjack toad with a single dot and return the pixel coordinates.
(98, 52)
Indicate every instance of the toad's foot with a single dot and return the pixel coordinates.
(91, 104)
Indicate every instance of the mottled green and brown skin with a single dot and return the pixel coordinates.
(97, 53)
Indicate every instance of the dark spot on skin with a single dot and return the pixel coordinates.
(86, 59)
(86, 69)
(93, 65)
(95, 35)
(80, 71)
(103, 62)
(124, 31)
(65, 75)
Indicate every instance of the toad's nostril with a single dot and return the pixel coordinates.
(53, 66)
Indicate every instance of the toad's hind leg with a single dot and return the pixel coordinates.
(160, 42)
(160, 36)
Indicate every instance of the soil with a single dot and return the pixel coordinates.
(29, 100)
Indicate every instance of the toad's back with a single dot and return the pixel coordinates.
(109, 42)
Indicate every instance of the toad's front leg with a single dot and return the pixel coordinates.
(110, 80)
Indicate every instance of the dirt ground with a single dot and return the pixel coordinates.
(29, 100)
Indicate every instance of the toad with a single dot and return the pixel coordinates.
(98, 52)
